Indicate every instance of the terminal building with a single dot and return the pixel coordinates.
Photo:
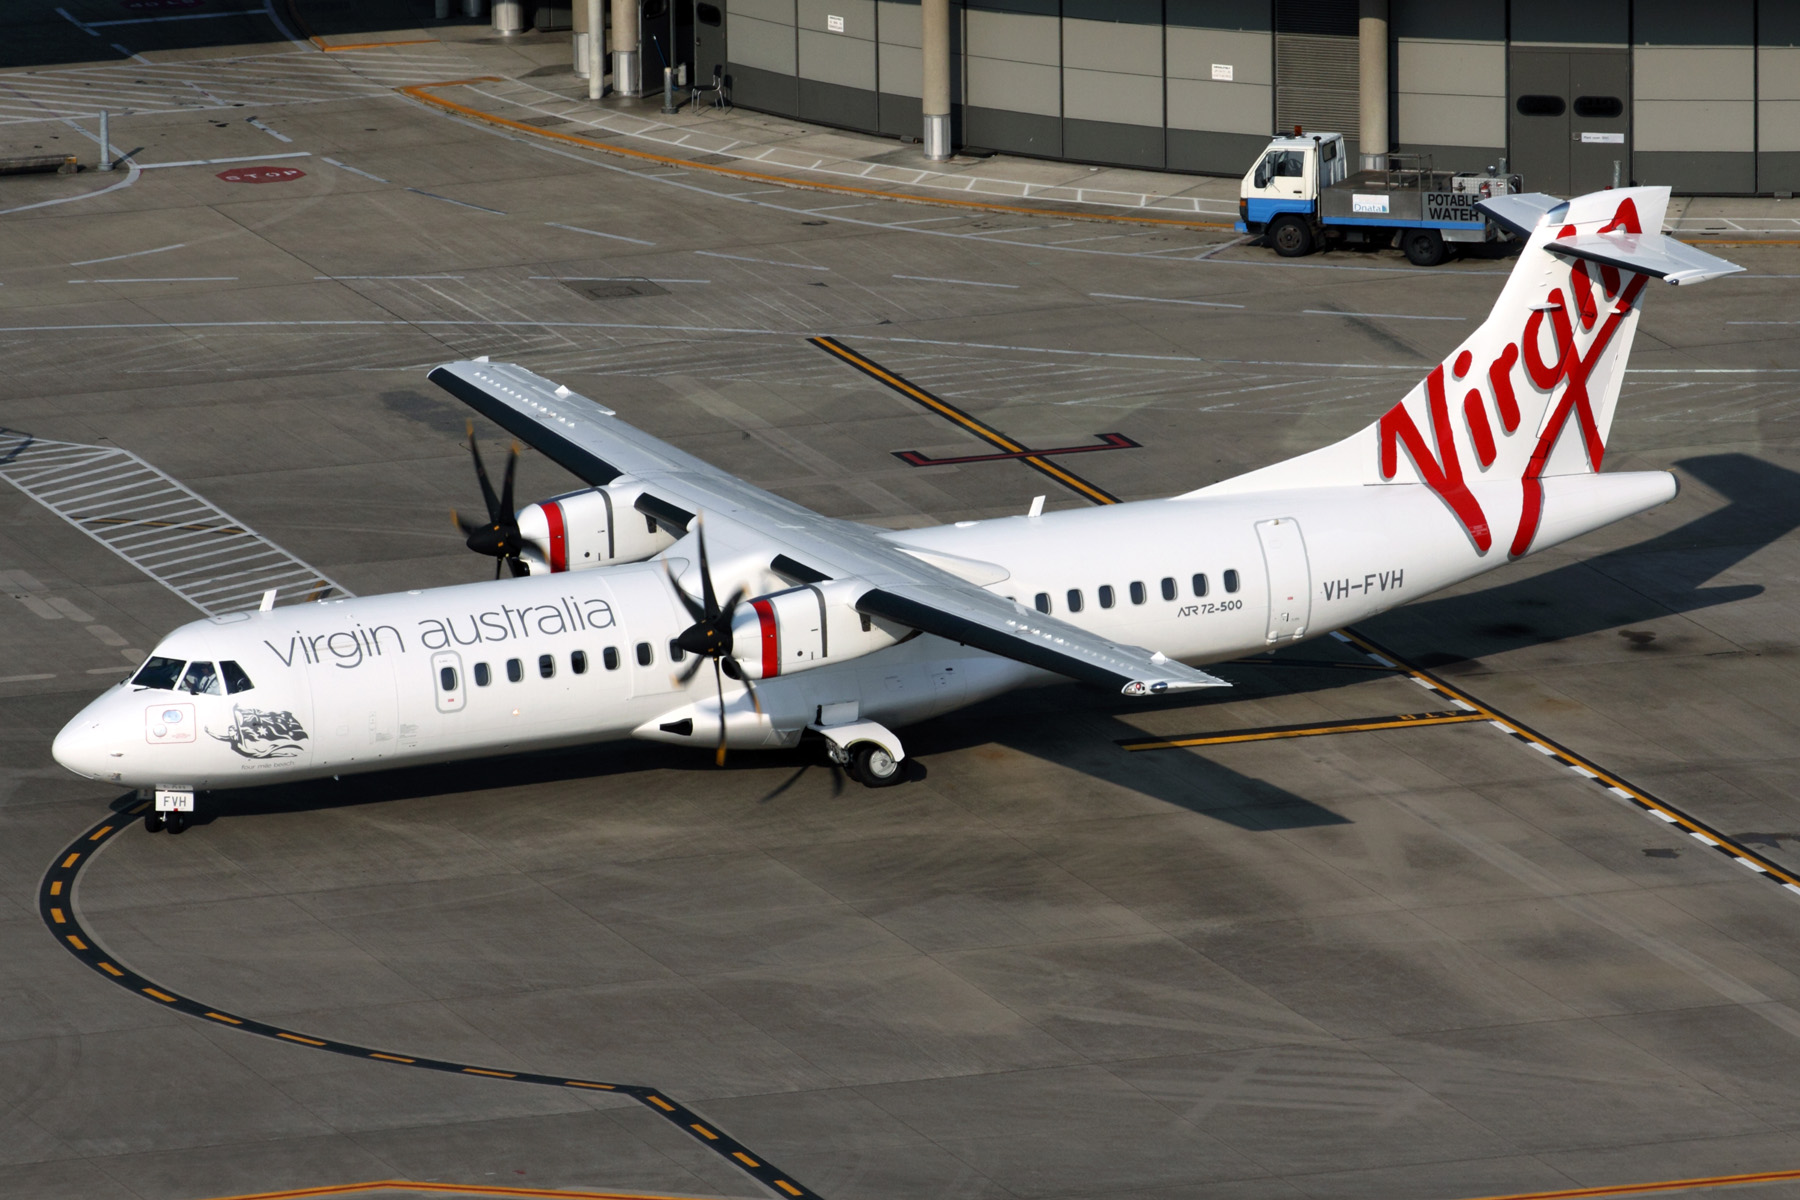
(1571, 94)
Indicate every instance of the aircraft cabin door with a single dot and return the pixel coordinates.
(1289, 578)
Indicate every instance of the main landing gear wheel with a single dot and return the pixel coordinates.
(153, 821)
(1291, 237)
(1423, 247)
(873, 766)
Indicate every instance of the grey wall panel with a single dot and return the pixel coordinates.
(1116, 145)
(901, 24)
(1450, 120)
(764, 45)
(1191, 54)
(1255, 15)
(1112, 46)
(1779, 172)
(1207, 153)
(1449, 93)
(1466, 20)
(1696, 173)
(1697, 125)
(1779, 128)
(1572, 22)
(1688, 23)
(1129, 12)
(900, 69)
(1040, 8)
(765, 91)
(1693, 72)
(1460, 158)
(858, 15)
(1221, 107)
(834, 58)
(1013, 37)
(1108, 96)
(831, 104)
(1022, 87)
(900, 117)
(779, 11)
(1020, 133)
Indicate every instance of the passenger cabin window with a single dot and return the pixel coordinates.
(236, 680)
(447, 678)
(1168, 587)
(483, 676)
(1106, 595)
(1042, 600)
(1199, 585)
(159, 673)
(578, 661)
(645, 655)
(546, 666)
(609, 658)
(676, 653)
(1074, 600)
(1231, 581)
(1138, 594)
(515, 670)
(201, 679)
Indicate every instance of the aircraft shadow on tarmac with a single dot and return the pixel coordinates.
(1079, 729)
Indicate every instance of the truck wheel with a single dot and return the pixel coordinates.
(1291, 237)
(1424, 247)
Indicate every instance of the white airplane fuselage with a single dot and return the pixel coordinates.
(363, 679)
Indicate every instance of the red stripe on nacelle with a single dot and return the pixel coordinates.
(771, 638)
(559, 536)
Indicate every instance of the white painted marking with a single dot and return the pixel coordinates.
(282, 137)
(1326, 312)
(1384, 662)
(1701, 837)
(769, 262)
(1163, 300)
(462, 203)
(88, 262)
(1746, 862)
(137, 58)
(209, 16)
(1790, 887)
(1542, 749)
(1581, 770)
(387, 276)
(959, 282)
(1621, 792)
(170, 279)
(617, 237)
(1463, 704)
(1658, 813)
(214, 162)
(354, 170)
(597, 278)
(1424, 683)
(30, 678)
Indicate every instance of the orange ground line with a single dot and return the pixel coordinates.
(455, 1189)
(320, 43)
(418, 91)
(1661, 1185)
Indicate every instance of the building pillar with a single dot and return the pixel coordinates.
(934, 89)
(628, 77)
(596, 48)
(1372, 60)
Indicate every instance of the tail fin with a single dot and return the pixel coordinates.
(1550, 356)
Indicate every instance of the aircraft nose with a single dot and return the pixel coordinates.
(81, 748)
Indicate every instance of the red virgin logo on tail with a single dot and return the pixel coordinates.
(1442, 471)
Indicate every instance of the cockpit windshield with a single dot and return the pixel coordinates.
(159, 673)
(201, 679)
(236, 680)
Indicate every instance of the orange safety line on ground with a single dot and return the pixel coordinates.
(419, 91)
(1661, 1185)
(455, 1189)
(1404, 721)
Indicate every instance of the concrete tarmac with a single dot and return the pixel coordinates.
(1422, 962)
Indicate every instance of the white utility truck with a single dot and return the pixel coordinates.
(1302, 196)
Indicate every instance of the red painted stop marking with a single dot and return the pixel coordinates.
(261, 174)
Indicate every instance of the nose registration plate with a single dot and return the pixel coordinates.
(174, 800)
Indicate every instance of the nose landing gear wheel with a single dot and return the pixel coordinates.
(873, 765)
(153, 821)
(175, 822)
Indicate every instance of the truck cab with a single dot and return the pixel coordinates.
(1287, 179)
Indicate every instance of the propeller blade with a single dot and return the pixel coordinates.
(709, 597)
(499, 565)
(467, 527)
(687, 601)
(517, 566)
(691, 670)
(487, 487)
(719, 758)
(508, 513)
(755, 700)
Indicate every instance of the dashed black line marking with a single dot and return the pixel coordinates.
(55, 904)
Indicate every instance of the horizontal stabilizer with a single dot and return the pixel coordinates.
(1646, 253)
(1519, 213)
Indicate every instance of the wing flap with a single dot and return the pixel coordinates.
(1033, 639)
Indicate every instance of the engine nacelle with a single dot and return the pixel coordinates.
(591, 528)
(804, 627)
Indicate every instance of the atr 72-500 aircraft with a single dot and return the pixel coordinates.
(844, 631)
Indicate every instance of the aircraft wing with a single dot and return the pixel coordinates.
(591, 442)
